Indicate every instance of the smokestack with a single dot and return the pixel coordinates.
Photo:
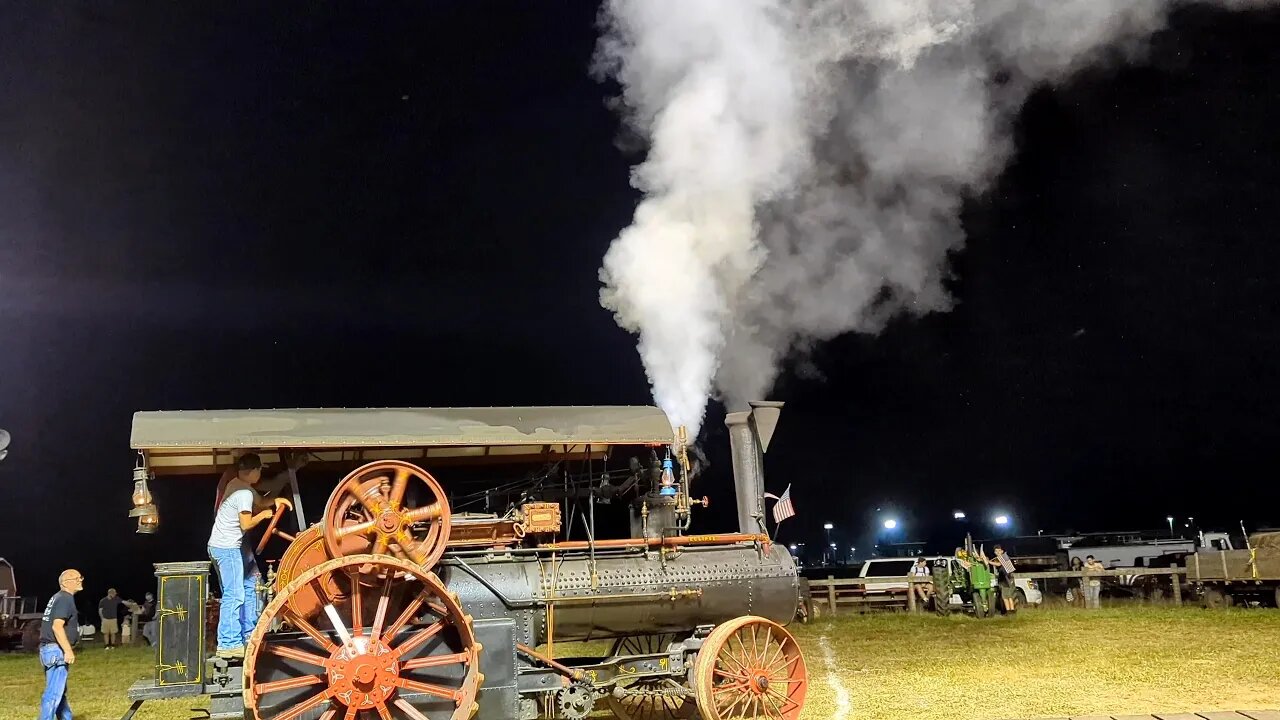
(749, 435)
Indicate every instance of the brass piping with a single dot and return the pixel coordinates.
(676, 541)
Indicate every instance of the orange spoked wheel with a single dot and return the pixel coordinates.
(370, 504)
(387, 641)
(750, 667)
(649, 699)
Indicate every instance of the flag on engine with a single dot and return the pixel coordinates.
(782, 509)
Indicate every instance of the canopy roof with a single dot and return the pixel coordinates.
(190, 440)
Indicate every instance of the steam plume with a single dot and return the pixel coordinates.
(807, 160)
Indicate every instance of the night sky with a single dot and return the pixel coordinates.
(219, 207)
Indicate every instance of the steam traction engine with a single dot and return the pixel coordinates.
(395, 606)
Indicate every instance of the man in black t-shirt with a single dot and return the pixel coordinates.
(109, 613)
(59, 632)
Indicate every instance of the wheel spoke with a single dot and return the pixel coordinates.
(329, 714)
(292, 683)
(338, 625)
(370, 496)
(405, 617)
(381, 615)
(352, 711)
(398, 485)
(380, 545)
(285, 651)
(384, 713)
(782, 665)
(360, 528)
(735, 676)
(304, 706)
(771, 646)
(301, 623)
(785, 699)
(435, 660)
(416, 641)
(357, 606)
(409, 710)
(410, 547)
(424, 513)
(439, 691)
(733, 661)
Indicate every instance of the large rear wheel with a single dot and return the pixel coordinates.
(386, 640)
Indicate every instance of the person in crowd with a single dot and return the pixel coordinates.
(1075, 586)
(1004, 568)
(1092, 584)
(109, 616)
(59, 633)
(920, 572)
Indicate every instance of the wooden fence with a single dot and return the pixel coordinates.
(830, 594)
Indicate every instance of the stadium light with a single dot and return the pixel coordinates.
(890, 524)
(959, 515)
(1002, 520)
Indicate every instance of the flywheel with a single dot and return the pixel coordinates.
(373, 504)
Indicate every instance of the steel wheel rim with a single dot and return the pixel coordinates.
(750, 667)
(360, 669)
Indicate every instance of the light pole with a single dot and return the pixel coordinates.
(1170, 519)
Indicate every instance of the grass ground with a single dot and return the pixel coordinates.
(1131, 660)
(890, 666)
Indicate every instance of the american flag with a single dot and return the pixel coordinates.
(782, 509)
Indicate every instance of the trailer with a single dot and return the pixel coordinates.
(397, 604)
(19, 615)
(1248, 576)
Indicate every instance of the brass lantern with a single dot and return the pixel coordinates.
(144, 507)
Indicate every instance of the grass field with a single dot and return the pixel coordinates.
(890, 666)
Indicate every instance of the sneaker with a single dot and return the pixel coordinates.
(235, 653)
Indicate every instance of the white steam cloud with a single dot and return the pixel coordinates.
(807, 160)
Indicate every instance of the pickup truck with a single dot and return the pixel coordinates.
(892, 569)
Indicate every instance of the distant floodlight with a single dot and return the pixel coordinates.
(1002, 519)
(890, 524)
(959, 515)
(793, 547)
(833, 546)
(828, 526)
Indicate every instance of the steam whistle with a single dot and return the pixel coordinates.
(682, 448)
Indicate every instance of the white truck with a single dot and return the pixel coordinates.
(894, 569)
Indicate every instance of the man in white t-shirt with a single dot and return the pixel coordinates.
(240, 510)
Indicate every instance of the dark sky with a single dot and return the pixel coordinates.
(215, 206)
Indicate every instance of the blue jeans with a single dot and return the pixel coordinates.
(54, 702)
(238, 614)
